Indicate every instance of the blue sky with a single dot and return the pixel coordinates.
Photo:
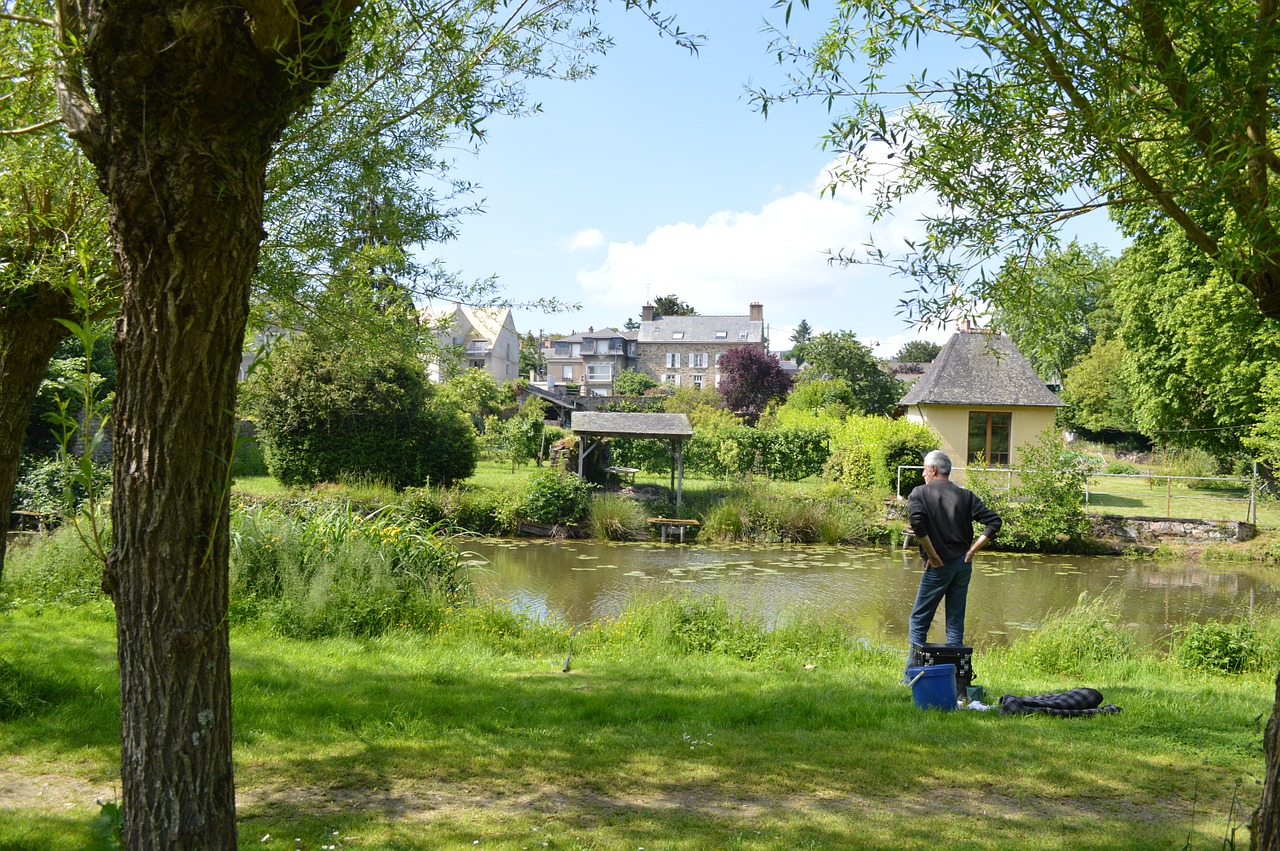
(657, 176)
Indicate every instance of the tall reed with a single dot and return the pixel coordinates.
(340, 571)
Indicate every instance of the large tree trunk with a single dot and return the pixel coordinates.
(28, 337)
(1265, 828)
(190, 97)
(184, 177)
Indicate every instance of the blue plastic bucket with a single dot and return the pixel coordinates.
(933, 686)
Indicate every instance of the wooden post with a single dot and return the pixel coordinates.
(680, 479)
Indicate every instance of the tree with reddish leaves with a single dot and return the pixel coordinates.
(750, 379)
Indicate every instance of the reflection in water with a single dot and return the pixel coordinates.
(870, 588)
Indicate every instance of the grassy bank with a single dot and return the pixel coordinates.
(676, 727)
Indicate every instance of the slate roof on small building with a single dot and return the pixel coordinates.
(735, 330)
(667, 426)
(981, 368)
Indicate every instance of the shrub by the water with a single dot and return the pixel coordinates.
(1228, 648)
(1043, 509)
(44, 485)
(686, 625)
(757, 515)
(482, 511)
(555, 497)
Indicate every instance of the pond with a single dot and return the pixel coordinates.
(871, 587)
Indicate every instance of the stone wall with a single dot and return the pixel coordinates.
(1162, 529)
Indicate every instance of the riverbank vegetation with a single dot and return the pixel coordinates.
(677, 725)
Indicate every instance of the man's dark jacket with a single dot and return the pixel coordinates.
(946, 513)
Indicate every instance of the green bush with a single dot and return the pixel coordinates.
(1180, 461)
(1228, 648)
(48, 486)
(482, 511)
(325, 414)
(1121, 468)
(248, 460)
(867, 451)
(555, 497)
(787, 453)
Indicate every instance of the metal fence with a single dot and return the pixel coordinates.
(1160, 492)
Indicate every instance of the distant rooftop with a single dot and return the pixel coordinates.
(739, 330)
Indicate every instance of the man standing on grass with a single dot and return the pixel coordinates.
(942, 515)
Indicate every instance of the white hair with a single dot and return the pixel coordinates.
(940, 461)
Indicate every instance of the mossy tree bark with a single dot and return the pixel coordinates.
(188, 100)
(28, 337)
(1265, 828)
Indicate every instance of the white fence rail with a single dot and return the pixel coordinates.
(1095, 503)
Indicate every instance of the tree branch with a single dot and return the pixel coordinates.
(27, 19)
(1128, 159)
(21, 131)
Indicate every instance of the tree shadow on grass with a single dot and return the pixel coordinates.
(705, 749)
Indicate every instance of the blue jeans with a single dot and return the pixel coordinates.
(951, 581)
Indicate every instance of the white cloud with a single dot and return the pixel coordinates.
(778, 255)
(585, 239)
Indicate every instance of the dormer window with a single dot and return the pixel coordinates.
(742, 335)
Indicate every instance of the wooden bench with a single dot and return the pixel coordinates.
(673, 526)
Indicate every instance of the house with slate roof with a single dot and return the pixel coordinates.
(482, 337)
(685, 350)
(591, 359)
(984, 399)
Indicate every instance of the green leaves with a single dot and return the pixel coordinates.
(1162, 113)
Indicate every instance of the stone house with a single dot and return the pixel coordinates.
(983, 398)
(591, 359)
(685, 350)
(480, 337)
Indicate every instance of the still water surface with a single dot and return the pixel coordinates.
(870, 587)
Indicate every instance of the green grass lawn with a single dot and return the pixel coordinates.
(1138, 496)
(418, 742)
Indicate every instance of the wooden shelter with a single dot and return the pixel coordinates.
(593, 428)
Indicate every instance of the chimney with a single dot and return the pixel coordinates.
(591, 329)
(757, 312)
(646, 313)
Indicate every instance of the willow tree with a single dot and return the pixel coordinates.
(180, 105)
(52, 229)
(1160, 112)
(1163, 113)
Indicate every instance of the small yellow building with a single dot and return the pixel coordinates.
(982, 396)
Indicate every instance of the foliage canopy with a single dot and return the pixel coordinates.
(1164, 113)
